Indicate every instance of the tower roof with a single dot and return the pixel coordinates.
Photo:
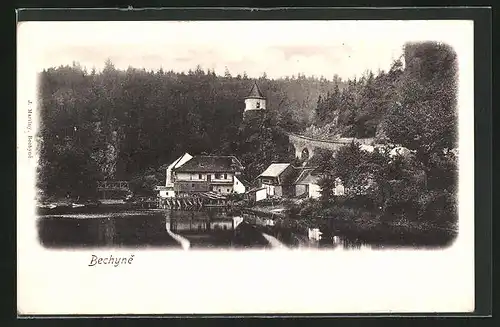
(255, 92)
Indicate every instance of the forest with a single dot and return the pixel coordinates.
(130, 124)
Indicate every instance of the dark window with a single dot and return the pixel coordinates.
(199, 176)
(192, 185)
(258, 104)
(225, 176)
(227, 190)
(220, 190)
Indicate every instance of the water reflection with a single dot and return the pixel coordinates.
(201, 229)
(123, 230)
(147, 228)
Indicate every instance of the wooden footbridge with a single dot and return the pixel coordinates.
(110, 189)
(113, 186)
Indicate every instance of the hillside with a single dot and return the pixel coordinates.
(118, 124)
(127, 124)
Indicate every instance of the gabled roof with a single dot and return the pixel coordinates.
(180, 161)
(255, 92)
(177, 163)
(303, 175)
(242, 181)
(307, 176)
(310, 179)
(211, 164)
(274, 170)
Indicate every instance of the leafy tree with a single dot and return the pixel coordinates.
(227, 74)
(425, 118)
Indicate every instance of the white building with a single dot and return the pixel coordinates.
(167, 191)
(192, 174)
(257, 194)
(274, 179)
(255, 100)
(208, 174)
(307, 183)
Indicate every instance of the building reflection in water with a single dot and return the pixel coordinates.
(199, 221)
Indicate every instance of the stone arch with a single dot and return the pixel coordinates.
(297, 150)
(311, 150)
(304, 154)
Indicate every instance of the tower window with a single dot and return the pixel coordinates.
(199, 176)
(258, 105)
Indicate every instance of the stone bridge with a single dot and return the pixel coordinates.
(306, 146)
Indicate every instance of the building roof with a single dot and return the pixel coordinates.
(211, 164)
(307, 176)
(303, 175)
(255, 92)
(242, 181)
(274, 170)
(178, 161)
(255, 189)
(310, 179)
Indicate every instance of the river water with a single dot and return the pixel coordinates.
(187, 230)
(147, 228)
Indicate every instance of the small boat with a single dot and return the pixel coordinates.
(47, 206)
(50, 209)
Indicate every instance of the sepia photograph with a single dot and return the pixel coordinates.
(241, 136)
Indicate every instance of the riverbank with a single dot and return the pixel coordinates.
(276, 220)
(350, 230)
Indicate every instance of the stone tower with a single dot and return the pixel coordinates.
(255, 102)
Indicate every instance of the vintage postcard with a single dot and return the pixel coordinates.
(198, 167)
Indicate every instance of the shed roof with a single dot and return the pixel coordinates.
(274, 170)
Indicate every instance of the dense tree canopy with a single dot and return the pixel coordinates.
(119, 124)
(356, 107)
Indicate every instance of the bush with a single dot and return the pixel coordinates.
(439, 207)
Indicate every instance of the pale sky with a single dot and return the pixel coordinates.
(279, 48)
